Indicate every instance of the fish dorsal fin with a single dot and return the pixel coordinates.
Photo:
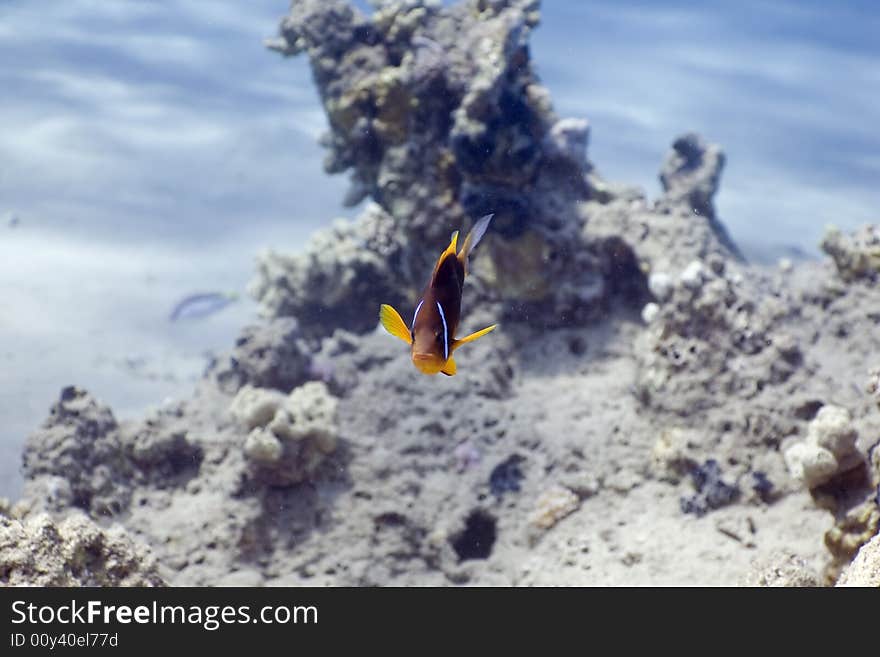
(450, 250)
(473, 238)
(473, 336)
(449, 368)
(393, 323)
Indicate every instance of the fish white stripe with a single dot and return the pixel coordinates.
(445, 332)
(416, 314)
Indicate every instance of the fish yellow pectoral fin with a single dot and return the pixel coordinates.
(393, 323)
(473, 336)
(449, 369)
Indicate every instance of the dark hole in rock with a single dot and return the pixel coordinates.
(622, 272)
(577, 345)
(390, 519)
(808, 410)
(478, 537)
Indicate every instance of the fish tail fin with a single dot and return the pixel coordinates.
(393, 323)
(449, 368)
(473, 336)
(473, 238)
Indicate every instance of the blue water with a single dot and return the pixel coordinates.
(791, 90)
(148, 149)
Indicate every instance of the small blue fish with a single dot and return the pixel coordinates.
(198, 306)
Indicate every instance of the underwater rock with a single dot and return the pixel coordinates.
(660, 284)
(709, 337)
(553, 505)
(856, 255)
(339, 281)
(567, 141)
(691, 174)
(670, 457)
(439, 116)
(76, 457)
(872, 387)
(506, 476)
(691, 171)
(255, 407)
(712, 492)
(829, 448)
(851, 532)
(289, 436)
(865, 568)
(161, 455)
(650, 312)
(669, 235)
(74, 552)
(270, 355)
(781, 569)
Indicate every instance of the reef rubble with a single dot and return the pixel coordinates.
(653, 409)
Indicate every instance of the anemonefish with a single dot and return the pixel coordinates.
(431, 335)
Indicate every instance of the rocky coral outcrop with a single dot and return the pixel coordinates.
(709, 337)
(76, 457)
(829, 448)
(82, 458)
(340, 280)
(690, 176)
(781, 569)
(74, 552)
(865, 568)
(270, 355)
(441, 119)
(680, 227)
(856, 255)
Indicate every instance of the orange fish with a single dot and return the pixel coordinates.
(431, 335)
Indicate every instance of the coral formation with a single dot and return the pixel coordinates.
(74, 552)
(342, 277)
(781, 569)
(440, 117)
(670, 455)
(865, 568)
(76, 458)
(270, 355)
(829, 448)
(851, 532)
(690, 175)
(856, 255)
(288, 436)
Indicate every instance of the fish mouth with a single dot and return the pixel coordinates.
(427, 363)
